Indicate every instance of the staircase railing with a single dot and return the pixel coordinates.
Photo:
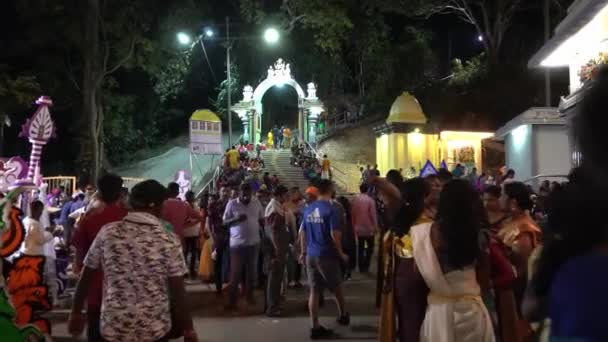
(333, 169)
(211, 184)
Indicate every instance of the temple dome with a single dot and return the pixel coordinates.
(406, 109)
(204, 115)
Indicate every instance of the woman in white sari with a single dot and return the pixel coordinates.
(445, 252)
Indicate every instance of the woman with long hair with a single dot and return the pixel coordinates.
(404, 291)
(446, 252)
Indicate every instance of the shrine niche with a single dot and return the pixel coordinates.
(250, 109)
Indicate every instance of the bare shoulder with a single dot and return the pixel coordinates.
(422, 227)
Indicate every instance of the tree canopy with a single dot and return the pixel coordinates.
(121, 82)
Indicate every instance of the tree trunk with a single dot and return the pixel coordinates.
(99, 136)
(91, 83)
(361, 80)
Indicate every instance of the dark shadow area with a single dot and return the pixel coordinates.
(280, 106)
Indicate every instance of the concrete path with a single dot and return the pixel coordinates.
(248, 324)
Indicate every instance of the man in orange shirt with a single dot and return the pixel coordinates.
(325, 168)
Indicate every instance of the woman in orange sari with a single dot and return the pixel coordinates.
(520, 236)
(501, 275)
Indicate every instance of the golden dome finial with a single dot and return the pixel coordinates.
(406, 109)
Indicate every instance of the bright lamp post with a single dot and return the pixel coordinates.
(184, 38)
(271, 36)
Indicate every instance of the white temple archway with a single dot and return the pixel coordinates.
(250, 109)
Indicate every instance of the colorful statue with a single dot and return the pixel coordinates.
(11, 170)
(24, 291)
(39, 129)
(184, 179)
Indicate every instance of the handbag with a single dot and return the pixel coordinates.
(205, 269)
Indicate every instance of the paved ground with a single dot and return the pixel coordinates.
(215, 325)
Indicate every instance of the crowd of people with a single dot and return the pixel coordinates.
(447, 256)
(499, 263)
(281, 137)
(133, 254)
(460, 263)
(313, 168)
(238, 238)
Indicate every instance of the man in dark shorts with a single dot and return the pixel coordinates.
(321, 241)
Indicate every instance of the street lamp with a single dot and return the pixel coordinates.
(184, 38)
(271, 36)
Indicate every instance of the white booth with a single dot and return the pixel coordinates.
(537, 143)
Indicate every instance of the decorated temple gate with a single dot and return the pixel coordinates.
(250, 109)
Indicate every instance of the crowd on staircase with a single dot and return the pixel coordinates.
(251, 232)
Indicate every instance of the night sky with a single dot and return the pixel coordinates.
(451, 38)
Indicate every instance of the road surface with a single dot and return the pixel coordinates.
(214, 325)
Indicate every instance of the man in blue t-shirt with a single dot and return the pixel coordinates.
(321, 242)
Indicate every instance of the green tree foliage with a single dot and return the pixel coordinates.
(17, 92)
(170, 80)
(114, 60)
(468, 73)
(221, 101)
(356, 56)
(490, 18)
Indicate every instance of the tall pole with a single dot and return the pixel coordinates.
(229, 109)
(547, 15)
(449, 52)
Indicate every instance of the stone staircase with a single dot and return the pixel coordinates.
(278, 163)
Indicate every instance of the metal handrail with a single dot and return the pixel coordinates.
(316, 153)
(544, 176)
(212, 183)
(319, 156)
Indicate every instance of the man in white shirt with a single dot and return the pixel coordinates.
(35, 235)
(244, 215)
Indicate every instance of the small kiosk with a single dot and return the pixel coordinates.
(205, 132)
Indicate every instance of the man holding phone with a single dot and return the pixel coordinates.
(245, 217)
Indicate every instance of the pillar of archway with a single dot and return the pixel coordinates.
(251, 110)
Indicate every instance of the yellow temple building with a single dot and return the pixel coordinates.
(407, 140)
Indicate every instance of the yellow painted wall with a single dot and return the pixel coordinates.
(456, 139)
(382, 152)
(401, 151)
